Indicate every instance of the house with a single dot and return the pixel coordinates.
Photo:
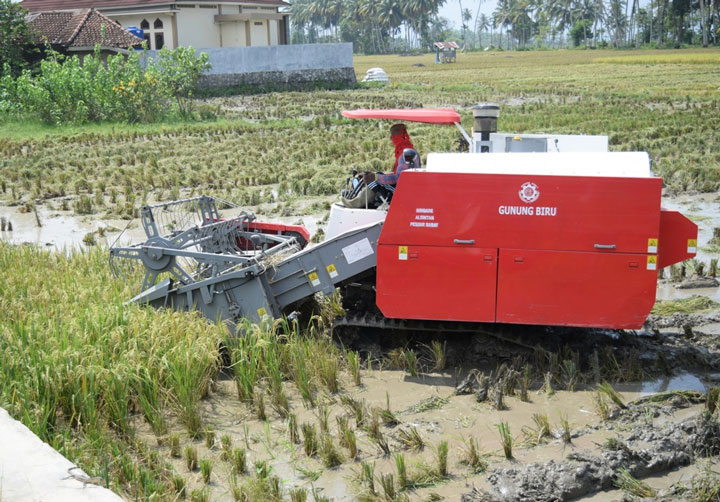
(78, 32)
(200, 23)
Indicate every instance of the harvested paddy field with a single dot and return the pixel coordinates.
(164, 406)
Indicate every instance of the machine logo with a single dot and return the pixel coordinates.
(529, 192)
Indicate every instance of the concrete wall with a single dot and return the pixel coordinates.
(278, 65)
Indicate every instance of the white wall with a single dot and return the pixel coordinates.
(274, 31)
(136, 19)
(197, 27)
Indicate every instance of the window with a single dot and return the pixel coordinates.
(259, 23)
(158, 24)
(159, 40)
(144, 25)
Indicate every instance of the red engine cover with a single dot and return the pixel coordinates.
(530, 249)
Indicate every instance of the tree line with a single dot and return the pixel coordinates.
(382, 26)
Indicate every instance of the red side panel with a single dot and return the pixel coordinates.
(678, 238)
(604, 290)
(425, 282)
(568, 213)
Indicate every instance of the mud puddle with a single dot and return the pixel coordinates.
(62, 230)
(429, 405)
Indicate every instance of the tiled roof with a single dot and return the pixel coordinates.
(48, 5)
(84, 28)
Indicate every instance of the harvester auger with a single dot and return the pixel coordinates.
(538, 229)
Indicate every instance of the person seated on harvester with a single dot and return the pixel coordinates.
(374, 184)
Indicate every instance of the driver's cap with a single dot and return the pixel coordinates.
(397, 129)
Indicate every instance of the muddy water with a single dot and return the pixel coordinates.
(426, 403)
(704, 210)
(63, 230)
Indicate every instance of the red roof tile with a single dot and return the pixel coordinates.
(84, 28)
(48, 5)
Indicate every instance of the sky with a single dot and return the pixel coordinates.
(451, 10)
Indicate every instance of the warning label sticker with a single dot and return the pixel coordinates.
(332, 271)
(314, 279)
(652, 245)
(402, 252)
(357, 250)
(692, 246)
(262, 312)
(652, 262)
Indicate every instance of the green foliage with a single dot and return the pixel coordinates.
(179, 70)
(122, 89)
(16, 44)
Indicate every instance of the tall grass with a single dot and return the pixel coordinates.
(74, 358)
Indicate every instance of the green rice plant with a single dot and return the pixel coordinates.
(411, 362)
(356, 407)
(317, 497)
(353, 359)
(547, 385)
(438, 354)
(262, 469)
(259, 402)
(206, 466)
(367, 476)
(381, 442)
(191, 458)
(387, 483)
(180, 486)
(401, 470)
(411, 439)
(293, 435)
(148, 395)
(525, 384)
(298, 494)
(632, 486)
(238, 460)
(209, 437)
(310, 441)
(607, 390)
(441, 459)
(200, 495)
(226, 445)
(472, 457)
(601, 406)
(328, 368)
(302, 377)
(329, 453)
(324, 418)
(506, 439)
(540, 432)
(565, 429)
(189, 382)
(693, 304)
(570, 374)
(174, 443)
(350, 442)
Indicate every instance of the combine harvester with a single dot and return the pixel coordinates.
(535, 229)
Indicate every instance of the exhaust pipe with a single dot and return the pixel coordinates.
(486, 116)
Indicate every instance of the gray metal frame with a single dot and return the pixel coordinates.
(231, 283)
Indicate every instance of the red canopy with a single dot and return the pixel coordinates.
(427, 115)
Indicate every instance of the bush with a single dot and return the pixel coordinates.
(68, 90)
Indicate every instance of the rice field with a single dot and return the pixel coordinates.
(281, 147)
(143, 399)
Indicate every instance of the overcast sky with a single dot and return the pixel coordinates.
(451, 10)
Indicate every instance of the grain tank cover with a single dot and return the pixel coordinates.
(605, 164)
